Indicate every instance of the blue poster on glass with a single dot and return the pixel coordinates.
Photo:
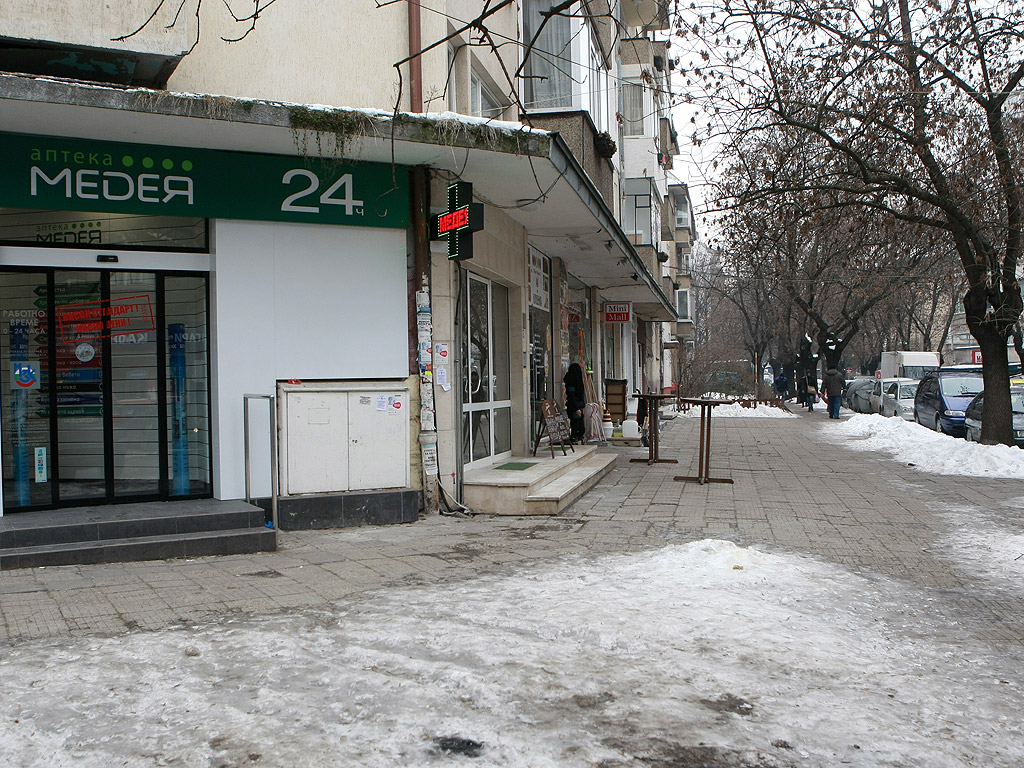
(23, 379)
(179, 420)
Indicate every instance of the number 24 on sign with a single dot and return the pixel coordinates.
(339, 193)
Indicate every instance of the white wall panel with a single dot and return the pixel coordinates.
(292, 301)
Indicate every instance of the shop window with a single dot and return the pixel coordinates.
(77, 229)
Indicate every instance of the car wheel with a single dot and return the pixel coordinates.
(917, 416)
(938, 425)
(967, 435)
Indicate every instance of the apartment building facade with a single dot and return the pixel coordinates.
(192, 229)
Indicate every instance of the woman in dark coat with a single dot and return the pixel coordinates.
(575, 401)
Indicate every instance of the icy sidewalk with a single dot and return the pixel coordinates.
(696, 654)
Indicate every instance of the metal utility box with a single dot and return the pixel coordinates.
(339, 437)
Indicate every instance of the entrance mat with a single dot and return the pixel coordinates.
(517, 465)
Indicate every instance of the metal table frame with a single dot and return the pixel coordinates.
(652, 435)
(704, 452)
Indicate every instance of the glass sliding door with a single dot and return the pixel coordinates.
(486, 382)
(79, 367)
(188, 386)
(105, 387)
(26, 377)
(134, 379)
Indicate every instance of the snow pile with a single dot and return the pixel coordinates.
(736, 410)
(704, 653)
(927, 450)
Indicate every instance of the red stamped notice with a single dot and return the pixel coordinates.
(99, 319)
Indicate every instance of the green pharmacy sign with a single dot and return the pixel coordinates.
(82, 175)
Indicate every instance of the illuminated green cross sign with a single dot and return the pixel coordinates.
(460, 221)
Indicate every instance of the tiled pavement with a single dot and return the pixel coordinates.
(794, 490)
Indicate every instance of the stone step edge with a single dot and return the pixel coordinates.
(565, 485)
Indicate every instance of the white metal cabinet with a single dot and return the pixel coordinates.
(343, 437)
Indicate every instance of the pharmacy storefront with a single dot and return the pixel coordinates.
(146, 289)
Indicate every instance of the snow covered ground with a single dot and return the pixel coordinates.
(703, 654)
(927, 450)
(735, 410)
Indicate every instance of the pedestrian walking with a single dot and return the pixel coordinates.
(812, 389)
(801, 391)
(833, 384)
(782, 385)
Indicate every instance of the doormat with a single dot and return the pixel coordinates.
(516, 465)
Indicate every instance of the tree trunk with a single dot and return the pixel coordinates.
(997, 418)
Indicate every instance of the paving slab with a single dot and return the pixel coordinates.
(795, 488)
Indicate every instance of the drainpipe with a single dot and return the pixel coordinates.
(421, 277)
(416, 62)
(424, 334)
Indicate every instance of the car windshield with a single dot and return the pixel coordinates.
(1017, 402)
(961, 386)
(907, 391)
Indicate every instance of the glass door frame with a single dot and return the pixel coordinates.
(163, 386)
(490, 406)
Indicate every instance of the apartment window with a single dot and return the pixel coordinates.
(683, 303)
(683, 257)
(450, 81)
(483, 101)
(549, 68)
(633, 109)
(682, 212)
(637, 214)
(597, 89)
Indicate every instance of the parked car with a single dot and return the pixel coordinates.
(943, 396)
(975, 411)
(856, 396)
(894, 397)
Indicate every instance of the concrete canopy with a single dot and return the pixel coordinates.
(530, 174)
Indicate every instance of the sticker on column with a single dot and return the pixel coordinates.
(430, 459)
(40, 465)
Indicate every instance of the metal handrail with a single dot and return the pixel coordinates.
(273, 454)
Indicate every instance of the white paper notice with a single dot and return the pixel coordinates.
(382, 402)
(441, 376)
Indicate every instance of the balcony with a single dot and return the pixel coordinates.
(645, 14)
(42, 41)
(589, 147)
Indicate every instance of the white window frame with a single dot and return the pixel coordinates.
(684, 295)
(478, 90)
(633, 98)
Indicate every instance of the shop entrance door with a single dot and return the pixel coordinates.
(486, 380)
(105, 393)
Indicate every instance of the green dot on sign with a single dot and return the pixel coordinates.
(168, 164)
(186, 165)
(128, 161)
(147, 162)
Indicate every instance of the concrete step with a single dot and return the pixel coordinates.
(143, 531)
(541, 470)
(556, 495)
(157, 547)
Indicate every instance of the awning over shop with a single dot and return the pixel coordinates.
(530, 174)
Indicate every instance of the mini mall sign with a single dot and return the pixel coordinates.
(618, 312)
(460, 221)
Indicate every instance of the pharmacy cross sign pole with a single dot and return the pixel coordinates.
(460, 221)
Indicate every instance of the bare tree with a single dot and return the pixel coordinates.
(905, 110)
